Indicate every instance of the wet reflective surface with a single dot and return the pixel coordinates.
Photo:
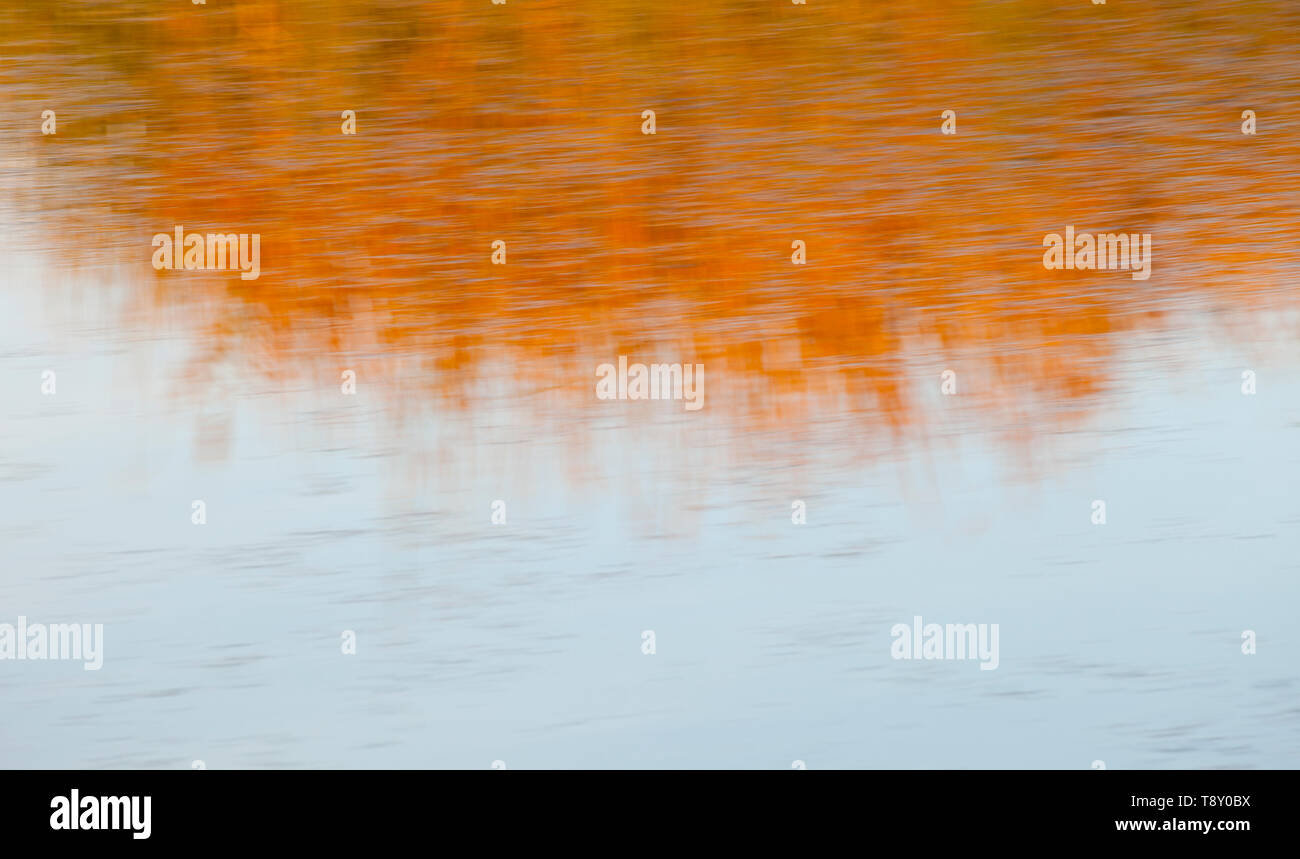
(474, 383)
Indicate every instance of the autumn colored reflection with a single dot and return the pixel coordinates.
(826, 491)
(775, 122)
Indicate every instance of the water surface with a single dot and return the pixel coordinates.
(522, 642)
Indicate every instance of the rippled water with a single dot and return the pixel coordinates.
(522, 642)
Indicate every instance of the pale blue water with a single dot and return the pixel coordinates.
(522, 642)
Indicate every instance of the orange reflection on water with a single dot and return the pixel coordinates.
(775, 122)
